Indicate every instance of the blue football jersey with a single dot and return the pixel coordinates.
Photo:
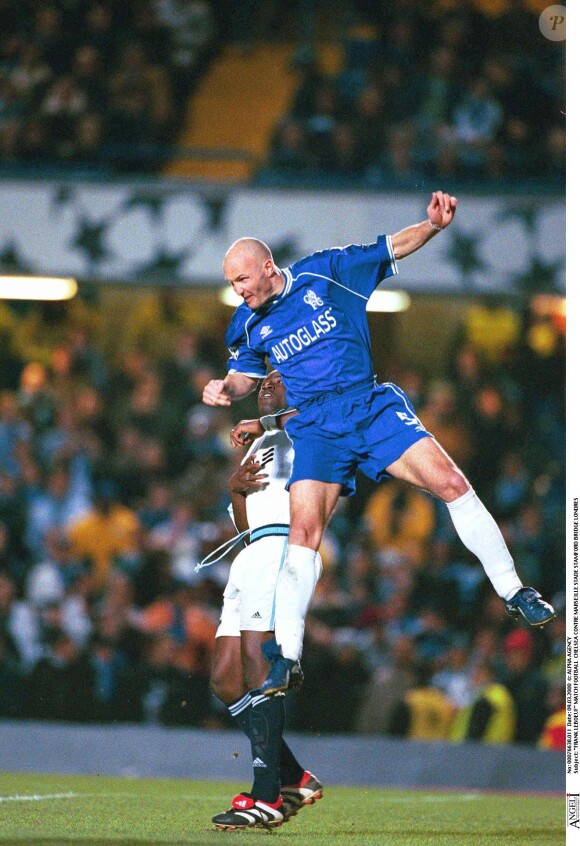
(315, 332)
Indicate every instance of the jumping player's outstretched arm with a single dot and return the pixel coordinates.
(235, 386)
(440, 213)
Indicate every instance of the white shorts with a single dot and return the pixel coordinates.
(250, 594)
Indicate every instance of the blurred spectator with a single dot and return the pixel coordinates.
(443, 419)
(400, 520)
(423, 713)
(526, 684)
(387, 688)
(494, 435)
(474, 127)
(192, 31)
(58, 504)
(61, 684)
(553, 734)
(157, 690)
(19, 628)
(289, 152)
(106, 533)
(181, 612)
(452, 677)
(326, 704)
(490, 716)
(12, 685)
(512, 484)
(491, 329)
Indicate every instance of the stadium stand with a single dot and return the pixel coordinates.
(384, 95)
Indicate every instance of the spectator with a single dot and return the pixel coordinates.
(62, 684)
(18, 626)
(59, 504)
(424, 712)
(553, 734)
(107, 532)
(491, 715)
(400, 521)
(192, 626)
(12, 693)
(289, 153)
(474, 127)
(526, 685)
(388, 686)
(157, 690)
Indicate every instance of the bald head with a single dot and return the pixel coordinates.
(251, 248)
(249, 267)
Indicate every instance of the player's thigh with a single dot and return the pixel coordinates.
(311, 504)
(262, 562)
(229, 625)
(427, 465)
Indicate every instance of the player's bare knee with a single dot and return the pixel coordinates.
(218, 684)
(453, 485)
(305, 535)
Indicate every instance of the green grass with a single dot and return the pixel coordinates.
(102, 811)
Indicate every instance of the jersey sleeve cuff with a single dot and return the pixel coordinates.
(391, 254)
(232, 371)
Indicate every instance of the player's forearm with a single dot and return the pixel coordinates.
(238, 385)
(412, 238)
(240, 513)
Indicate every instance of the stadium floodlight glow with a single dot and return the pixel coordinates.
(229, 297)
(37, 288)
(389, 301)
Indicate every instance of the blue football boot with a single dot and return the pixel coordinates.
(284, 673)
(528, 602)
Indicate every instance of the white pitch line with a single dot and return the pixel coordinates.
(466, 797)
(42, 797)
(39, 798)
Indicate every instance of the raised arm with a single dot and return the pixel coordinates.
(440, 213)
(234, 387)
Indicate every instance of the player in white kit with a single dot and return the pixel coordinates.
(245, 639)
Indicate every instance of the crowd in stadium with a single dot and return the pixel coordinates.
(423, 88)
(458, 94)
(83, 83)
(113, 486)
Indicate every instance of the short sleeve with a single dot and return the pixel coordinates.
(243, 359)
(361, 267)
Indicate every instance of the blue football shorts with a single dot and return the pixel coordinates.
(365, 427)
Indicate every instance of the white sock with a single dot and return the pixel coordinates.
(294, 590)
(481, 535)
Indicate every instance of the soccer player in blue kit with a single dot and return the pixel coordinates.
(309, 320)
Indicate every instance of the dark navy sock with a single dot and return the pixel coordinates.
(266, 728)
(290, 770)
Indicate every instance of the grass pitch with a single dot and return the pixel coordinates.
(42, 810)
